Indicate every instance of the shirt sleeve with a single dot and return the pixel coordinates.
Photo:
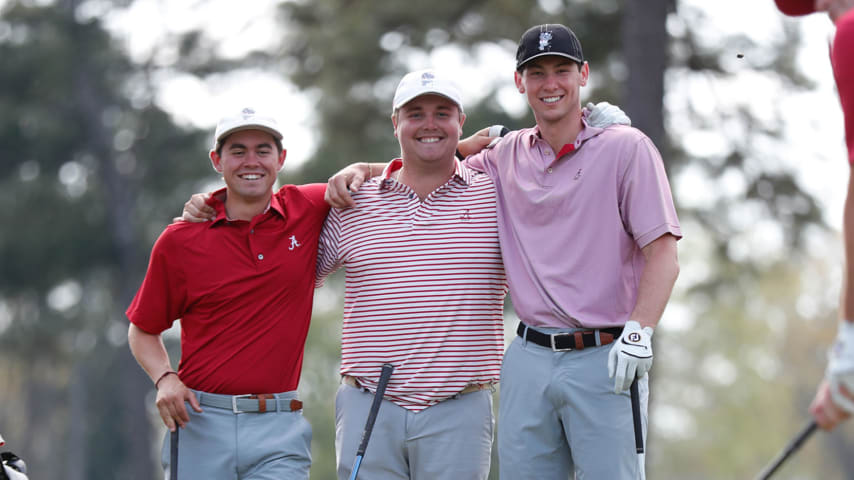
(162, 297)
(646, 202)
(328, 260)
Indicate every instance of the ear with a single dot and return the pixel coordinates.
(216, 161)
(585, 73)
(282, 158)
(394, 122)
(462, 121)
(519, 85)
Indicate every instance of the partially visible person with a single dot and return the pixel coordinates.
(588, 235)
(834, 400)
(242, 287)
(425, 290)
(11, 466)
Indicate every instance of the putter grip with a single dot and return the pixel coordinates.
(385, 375)
(636, 417)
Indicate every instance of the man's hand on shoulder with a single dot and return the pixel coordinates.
(349, 179)
(197, 210)
(604, 114)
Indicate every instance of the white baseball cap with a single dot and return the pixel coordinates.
(246, 119)
(421, 82)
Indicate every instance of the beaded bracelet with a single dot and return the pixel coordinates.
(168, 372)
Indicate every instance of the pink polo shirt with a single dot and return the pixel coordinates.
(572, 228)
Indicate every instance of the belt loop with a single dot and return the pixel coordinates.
(597, 337)
(525, 333)
(278, 406)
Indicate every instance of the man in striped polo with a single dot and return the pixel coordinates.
(425, 290)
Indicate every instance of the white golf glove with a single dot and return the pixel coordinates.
(840, 367)
(631, 355)
(603, 114)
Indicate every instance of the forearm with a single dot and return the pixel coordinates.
(846, 309)
(375, 169)
(657, 280)
(149, 352)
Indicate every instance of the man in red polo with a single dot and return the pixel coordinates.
(834, 401)
(242, 286)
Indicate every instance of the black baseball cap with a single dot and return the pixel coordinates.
(548, 39)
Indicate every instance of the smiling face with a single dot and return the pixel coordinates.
(428, 128)
(552, 84)
(249, 161)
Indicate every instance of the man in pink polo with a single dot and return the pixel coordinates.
(834, 401)
(588, 234)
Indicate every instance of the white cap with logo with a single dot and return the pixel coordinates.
(246, 119)
(422, 82)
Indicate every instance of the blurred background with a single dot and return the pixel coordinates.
(107, 109)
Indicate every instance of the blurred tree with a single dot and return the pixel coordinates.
(91, 174)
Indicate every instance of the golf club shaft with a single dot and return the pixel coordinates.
(173, 454)
(385, 375)
(791, 448)
(636, 416)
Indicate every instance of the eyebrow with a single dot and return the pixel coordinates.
(240, 145)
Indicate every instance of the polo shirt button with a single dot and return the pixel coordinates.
(549, 170)
(260, 256)
(252, 231)
(410, 196)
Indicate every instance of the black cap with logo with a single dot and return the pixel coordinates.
(548, 39)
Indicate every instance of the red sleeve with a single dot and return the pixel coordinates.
(161, 299)
(843, 70)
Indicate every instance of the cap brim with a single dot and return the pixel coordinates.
(275, 133)
(556, 54)
(410, 98)
(796, 8)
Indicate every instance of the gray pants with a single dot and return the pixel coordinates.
(559, 414)
(219, 444)
(450, 440)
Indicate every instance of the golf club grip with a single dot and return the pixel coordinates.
(375, 407)
(636, 416)
(791, 448)
(173, 454)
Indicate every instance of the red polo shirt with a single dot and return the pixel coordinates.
(243, 291)
(843, 70)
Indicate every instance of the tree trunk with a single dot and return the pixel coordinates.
(645, 45)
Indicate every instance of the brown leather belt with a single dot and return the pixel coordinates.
(250, 403)
(561, 342)
(474, 387)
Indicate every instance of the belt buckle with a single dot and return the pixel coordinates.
(234, 399)
(552, 338)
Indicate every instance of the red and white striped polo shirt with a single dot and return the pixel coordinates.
(425, 285)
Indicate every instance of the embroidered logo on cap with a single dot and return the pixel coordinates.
(247, 112)
(427, 79)
(545, 40)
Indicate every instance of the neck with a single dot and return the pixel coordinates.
(237, 208)
(424, 179)
(560, 132)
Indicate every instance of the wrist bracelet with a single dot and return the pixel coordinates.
(168, 372)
